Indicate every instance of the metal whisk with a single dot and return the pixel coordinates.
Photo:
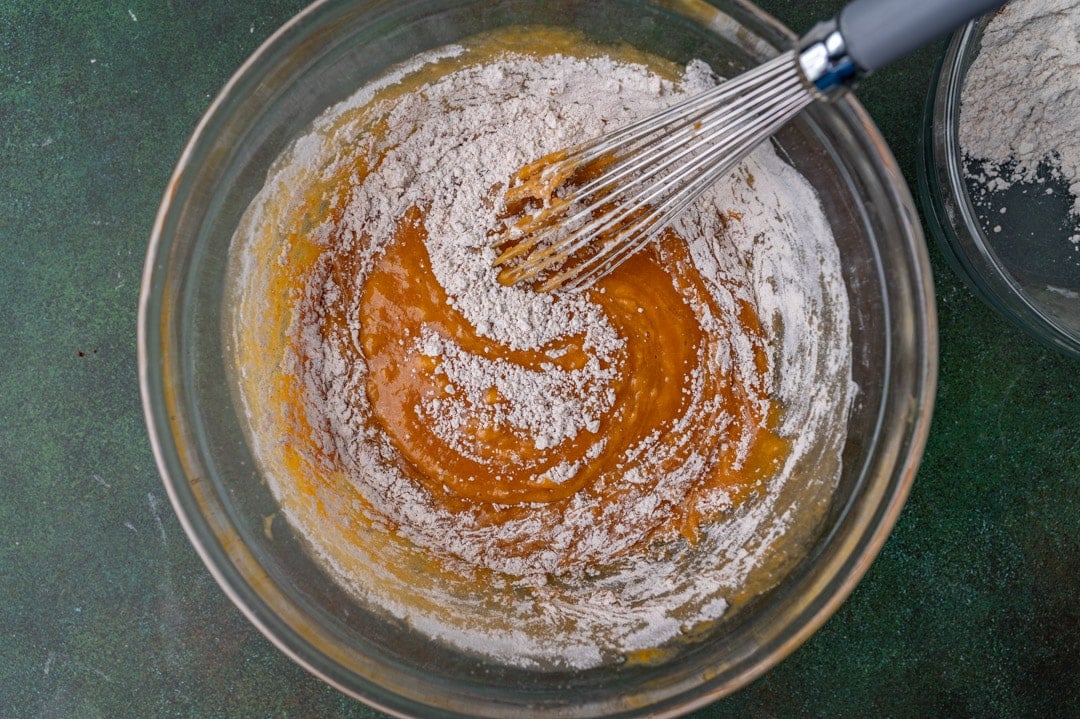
(578, 213)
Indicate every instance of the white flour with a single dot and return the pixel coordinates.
(1021, 99)
(573, 592)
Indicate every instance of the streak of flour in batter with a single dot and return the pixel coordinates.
(446, 147)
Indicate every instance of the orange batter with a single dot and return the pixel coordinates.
(548, 479)
(663, 348)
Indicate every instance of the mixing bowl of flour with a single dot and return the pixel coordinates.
(999, 172)
(449, 497)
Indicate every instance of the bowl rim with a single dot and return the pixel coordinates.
(172, 464)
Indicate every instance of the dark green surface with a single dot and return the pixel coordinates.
(105, 609)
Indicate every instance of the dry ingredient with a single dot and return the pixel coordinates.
(550, 480)
(1020, 107)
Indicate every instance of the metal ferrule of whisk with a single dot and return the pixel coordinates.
(824, 60)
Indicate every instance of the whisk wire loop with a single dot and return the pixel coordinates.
(634, 236)
(651, 171)
(598, 202)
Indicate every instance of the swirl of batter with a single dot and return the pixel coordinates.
(638, 416)
(555, 480)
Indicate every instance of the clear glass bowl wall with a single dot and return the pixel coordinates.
(320, 58)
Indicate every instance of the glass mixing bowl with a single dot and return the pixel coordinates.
(1011, 247)
(214, 483)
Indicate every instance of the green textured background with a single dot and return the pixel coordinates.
(105, 609)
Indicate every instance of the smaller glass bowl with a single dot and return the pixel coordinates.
(1012, 247)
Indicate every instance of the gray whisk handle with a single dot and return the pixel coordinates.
(877, 32)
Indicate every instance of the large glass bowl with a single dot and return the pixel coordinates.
(318, 59)
(1020, 262)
